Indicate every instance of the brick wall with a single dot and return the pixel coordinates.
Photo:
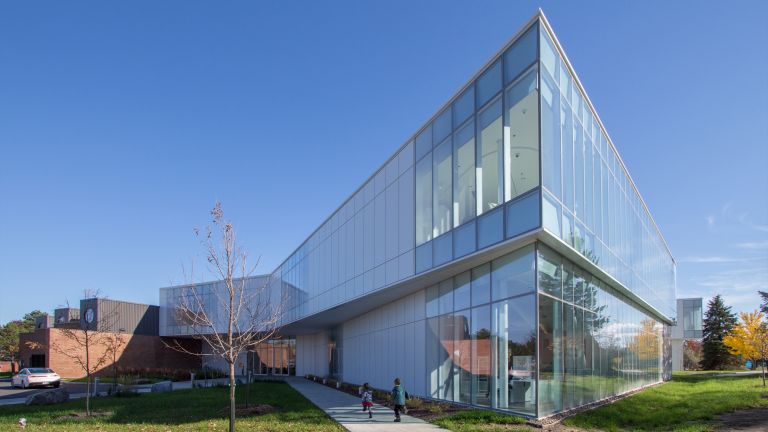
(6, 366)
(137, 352)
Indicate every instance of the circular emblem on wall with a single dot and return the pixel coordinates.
(89, 315)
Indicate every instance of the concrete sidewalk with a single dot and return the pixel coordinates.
(347, 410)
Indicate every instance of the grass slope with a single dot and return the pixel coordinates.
(688, 403)
(183, 410)
(477, 420)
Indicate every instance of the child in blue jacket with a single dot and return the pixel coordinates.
(398, 398)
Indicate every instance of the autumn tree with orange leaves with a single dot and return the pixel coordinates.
(645, 344)
(749, 338)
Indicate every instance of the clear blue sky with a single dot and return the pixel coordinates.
(121, 123)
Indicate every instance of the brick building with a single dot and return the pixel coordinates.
(136, 326)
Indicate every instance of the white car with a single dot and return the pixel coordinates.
(29, 377)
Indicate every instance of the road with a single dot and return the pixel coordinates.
(8, 392)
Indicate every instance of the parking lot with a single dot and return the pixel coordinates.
(8, 392)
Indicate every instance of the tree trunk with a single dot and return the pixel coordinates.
(232, 397)
(763, 369)
(87, 379)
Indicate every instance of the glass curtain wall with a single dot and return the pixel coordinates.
(481, 152)
(589, 200)
(273, 357)
(481, 335)
(593, 343)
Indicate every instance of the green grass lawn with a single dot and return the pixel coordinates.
(183, 410)
(5, 375)
(688, 403)
(478, 420)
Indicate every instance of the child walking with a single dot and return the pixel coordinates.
(367, 397)
(398, 398)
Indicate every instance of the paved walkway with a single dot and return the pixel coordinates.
(347, 410)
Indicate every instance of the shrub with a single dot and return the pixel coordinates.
(414, 403)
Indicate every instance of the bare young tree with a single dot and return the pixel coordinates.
(237, 314)
(85, 345)
(114, 343)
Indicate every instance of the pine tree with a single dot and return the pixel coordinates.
(718, 322)
(764, 304)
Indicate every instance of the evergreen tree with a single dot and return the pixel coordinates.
(764, 304)
(718, 322)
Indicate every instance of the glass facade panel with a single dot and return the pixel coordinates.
(481, 360)
(442, 174)
(442, 249)
(521, 137)
(464, 240)
(489, 157)
(592, 345)
(550, 135)
(424, 142)
(523, 215)
(490, 228)
(424, 257)
(464, 175)
(514, 340)
(603, 216)
(464, 106)
(481, 284)
(520, 55)
(488, 84)
(424, 200)
(442, 126)
(461, 291)
(552, 217)
(513, 274)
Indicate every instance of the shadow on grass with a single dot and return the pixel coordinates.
(178, 407)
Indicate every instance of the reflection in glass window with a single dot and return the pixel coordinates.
(432, 297)
(550, 276)
(445, 357)
(514, 335)
(464, 175)
(550, 355)
(445, 292)
(489, 158)
(461, 291)
(424, 200)
(481, 284)
(521, 137)
(520, 55)
(513, 274)
(462, 357)
(481, 360)
(442, 172)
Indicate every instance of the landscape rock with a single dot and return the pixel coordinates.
(49, 397)
(162, 386)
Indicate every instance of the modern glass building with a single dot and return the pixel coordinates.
(501, 258)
